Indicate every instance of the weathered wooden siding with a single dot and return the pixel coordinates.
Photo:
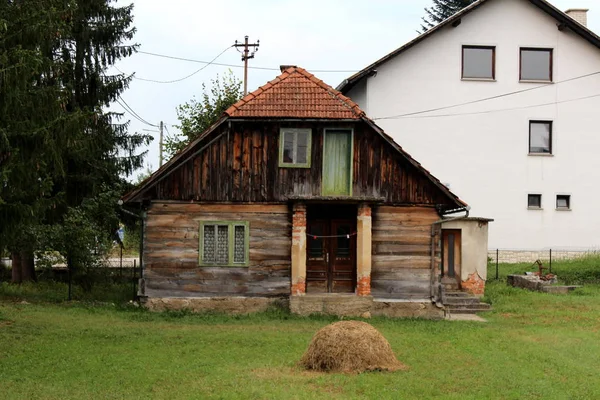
(171, 250)
(401, 258)
(239, 162)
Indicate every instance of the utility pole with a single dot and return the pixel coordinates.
(160, 151)
(246, 55)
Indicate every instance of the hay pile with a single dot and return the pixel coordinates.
(350, 346)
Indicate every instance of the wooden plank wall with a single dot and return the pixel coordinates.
(240, 163)
(401, 259)
(171, 251)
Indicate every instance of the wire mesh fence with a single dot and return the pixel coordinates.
(550, 260)
(112, 279)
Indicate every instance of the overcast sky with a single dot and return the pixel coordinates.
(333, 35)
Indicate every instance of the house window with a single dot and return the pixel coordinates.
(536, 65)
(224, 243)
(294, 148)
(563, 202)
(540, 137)
(478, 62)
(534, 201)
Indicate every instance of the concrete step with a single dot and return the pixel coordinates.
(460, 300)
(470, 309)
(457, 293)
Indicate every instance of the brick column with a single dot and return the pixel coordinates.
(299, 250)
(363, 250)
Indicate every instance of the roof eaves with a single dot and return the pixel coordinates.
(148, 182)
(348, 83)
(415, 163)
(544, 5)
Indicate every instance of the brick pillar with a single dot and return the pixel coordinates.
(363, 250)
(299, 250)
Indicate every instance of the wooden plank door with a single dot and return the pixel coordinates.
(451, 245)
(317, 263)
(342, 257)
(337, 162)
(330, 260)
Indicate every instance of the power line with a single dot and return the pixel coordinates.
(130, 110)
(504, 109)
(180, 79)
(237, 66)
(485, 98)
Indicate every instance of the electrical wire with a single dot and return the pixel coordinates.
(237, 66)
(180, 79)
(130, 110)
(485, 98)
(502, 109)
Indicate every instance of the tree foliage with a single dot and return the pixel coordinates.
(59, 148)
(196, 116)
(442, 10)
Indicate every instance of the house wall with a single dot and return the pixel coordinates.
(484, 157)
(240, 163)
(171, 251)
(401, 261)
(474, 245)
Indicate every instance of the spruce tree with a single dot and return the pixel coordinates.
(442, 10)
(61, 153)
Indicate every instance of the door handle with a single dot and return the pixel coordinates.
(327, 257)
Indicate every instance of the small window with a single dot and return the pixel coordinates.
(479, 62)
(224, 243)
(295, 146)
(540, 137)
(563, 202)
(536, 65)
(534, 201)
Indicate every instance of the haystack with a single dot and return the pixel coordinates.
(350, 346)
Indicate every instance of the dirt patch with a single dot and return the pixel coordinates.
(6, 323)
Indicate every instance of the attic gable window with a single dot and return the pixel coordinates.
(294, 147)
(479, 62)
(224, 243)
(536, 65)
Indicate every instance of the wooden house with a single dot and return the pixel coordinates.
(294, 194)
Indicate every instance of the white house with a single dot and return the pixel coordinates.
(502, 103)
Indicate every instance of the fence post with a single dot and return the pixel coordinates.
(133, 278)
(121, 261)
(550, 267)
(497, 277)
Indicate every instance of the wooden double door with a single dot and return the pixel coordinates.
(331, 256)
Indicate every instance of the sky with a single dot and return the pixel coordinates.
(330, 38)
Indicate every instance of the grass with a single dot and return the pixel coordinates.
(533, 346)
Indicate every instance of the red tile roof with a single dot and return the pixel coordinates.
(296, 93)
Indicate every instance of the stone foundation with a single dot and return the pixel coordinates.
(348, 305)
(341, 305)
(227, 305)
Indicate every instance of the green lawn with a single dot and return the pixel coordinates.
(534, 346)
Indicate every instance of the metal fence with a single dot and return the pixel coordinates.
(545, 256)
(112, 272)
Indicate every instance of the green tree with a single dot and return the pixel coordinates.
(59, 148)
(197, 116)
(442, 10)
